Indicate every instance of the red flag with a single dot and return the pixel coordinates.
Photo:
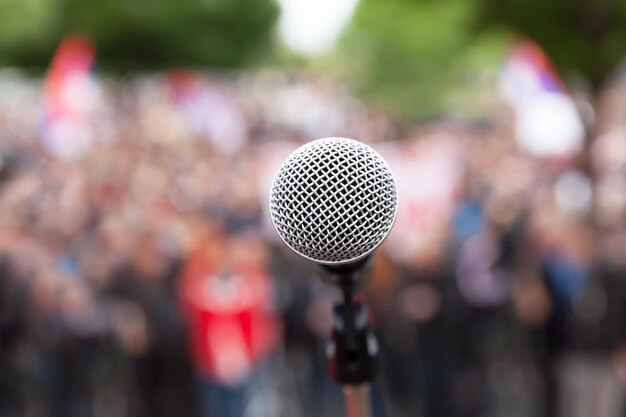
(68, 95)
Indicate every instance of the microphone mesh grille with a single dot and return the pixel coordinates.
(333, 200)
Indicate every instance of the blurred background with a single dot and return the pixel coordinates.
(139, 275)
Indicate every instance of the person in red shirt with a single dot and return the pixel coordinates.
(226, 294)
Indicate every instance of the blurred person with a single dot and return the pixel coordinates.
(152, 332)
(493, 259)
(84, 357)
(11, 333)
(305, 304)
(588, 376)
(227, 299)
(422, 339)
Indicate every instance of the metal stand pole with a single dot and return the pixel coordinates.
(352, 349)
(358, 400)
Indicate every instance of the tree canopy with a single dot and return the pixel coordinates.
(140, 34)
(582, 36)
(407, 55)
(413, 56)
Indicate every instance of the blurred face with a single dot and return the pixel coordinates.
(44, 292)
(74, 301)
(148, 259)
(246, 250)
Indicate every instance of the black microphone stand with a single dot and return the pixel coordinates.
(352, 350)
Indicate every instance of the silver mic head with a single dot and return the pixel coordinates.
(333, 201)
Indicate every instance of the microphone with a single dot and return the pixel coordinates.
(334, 201)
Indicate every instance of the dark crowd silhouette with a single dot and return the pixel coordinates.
(139, 275)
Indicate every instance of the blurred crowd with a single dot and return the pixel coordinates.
(139, 275)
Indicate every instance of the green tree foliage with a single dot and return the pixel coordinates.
(139, 34)
(414, 56)
(411, 55)
(583, 36)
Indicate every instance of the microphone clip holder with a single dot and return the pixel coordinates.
(352, 350)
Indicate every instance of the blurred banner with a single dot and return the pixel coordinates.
(428, 175)
(69, 99)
